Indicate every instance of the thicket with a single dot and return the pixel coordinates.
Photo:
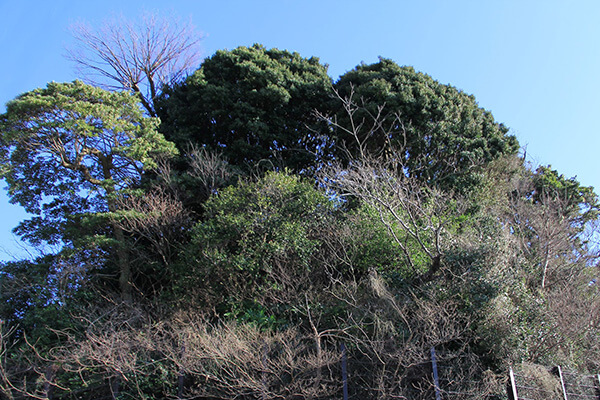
(259, 215)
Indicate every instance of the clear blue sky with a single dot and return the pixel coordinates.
(534, 64)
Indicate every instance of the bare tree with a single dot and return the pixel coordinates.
(157, 217)
(210, 169)
(412, 212)
(363, 129)
(547, 232)
(140, 57)
(219, 360)
(24, 373)
(389, 334)
(415, 214)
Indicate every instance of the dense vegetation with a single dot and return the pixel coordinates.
(227, 247)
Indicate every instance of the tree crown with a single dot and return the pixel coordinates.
(68, 147)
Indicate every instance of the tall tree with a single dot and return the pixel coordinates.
(140, 57)
(549, 214)
(68, 151)
(436, 132)
(251, 104)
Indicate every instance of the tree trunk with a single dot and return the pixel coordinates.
(124, 266)
(125, 286)
(545, 268)
(48, 379)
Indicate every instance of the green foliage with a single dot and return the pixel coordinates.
(26, 296)
(37, 297)
(577, 202)
(370, 246)
(253, 104)
(447, 239)
(439, 133)
(67, 148)
(258, 240)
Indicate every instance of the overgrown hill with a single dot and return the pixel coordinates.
(272, 233)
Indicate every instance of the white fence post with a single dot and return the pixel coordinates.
(513, 384)
(562, 383)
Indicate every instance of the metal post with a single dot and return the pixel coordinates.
(344, 371)
(562, 382)
(436, 379)
(513, 384)
(180, 383)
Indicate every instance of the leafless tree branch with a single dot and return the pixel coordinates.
(139, 57)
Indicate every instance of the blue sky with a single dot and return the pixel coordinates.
(534, 64)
